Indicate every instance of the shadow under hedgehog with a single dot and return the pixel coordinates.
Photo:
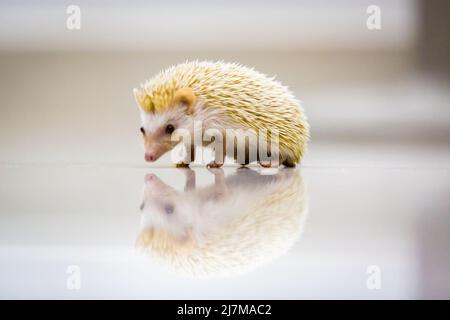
(221, 96)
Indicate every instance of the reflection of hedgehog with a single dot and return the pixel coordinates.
(222, 96)
(229, 228)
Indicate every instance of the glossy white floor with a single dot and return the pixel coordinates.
(313, 232)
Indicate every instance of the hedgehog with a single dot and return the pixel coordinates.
(241, 222)
(221, 96)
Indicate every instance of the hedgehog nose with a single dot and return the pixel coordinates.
(149, 157)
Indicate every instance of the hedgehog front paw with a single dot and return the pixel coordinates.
(214, 164)
(265, 164)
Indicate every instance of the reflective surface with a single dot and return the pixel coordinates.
(239, 223)
(174, 233)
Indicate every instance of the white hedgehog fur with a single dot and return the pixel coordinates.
(248, 228)
(228, 95)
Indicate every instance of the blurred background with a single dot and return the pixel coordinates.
(377, 100)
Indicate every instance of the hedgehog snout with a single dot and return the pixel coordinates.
(149, 156)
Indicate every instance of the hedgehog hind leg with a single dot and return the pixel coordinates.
(269, 160)
(288, 160)
(289, 163)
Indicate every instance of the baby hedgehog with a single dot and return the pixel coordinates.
(221, 96)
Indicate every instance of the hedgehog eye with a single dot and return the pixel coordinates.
(168, 208)
(169, 129)
(142, 130)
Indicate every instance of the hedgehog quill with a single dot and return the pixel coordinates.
(221, 96)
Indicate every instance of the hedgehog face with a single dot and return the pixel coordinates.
(159, 127)
(163, 210)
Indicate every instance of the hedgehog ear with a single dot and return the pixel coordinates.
(186, 97)
(143, 100)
